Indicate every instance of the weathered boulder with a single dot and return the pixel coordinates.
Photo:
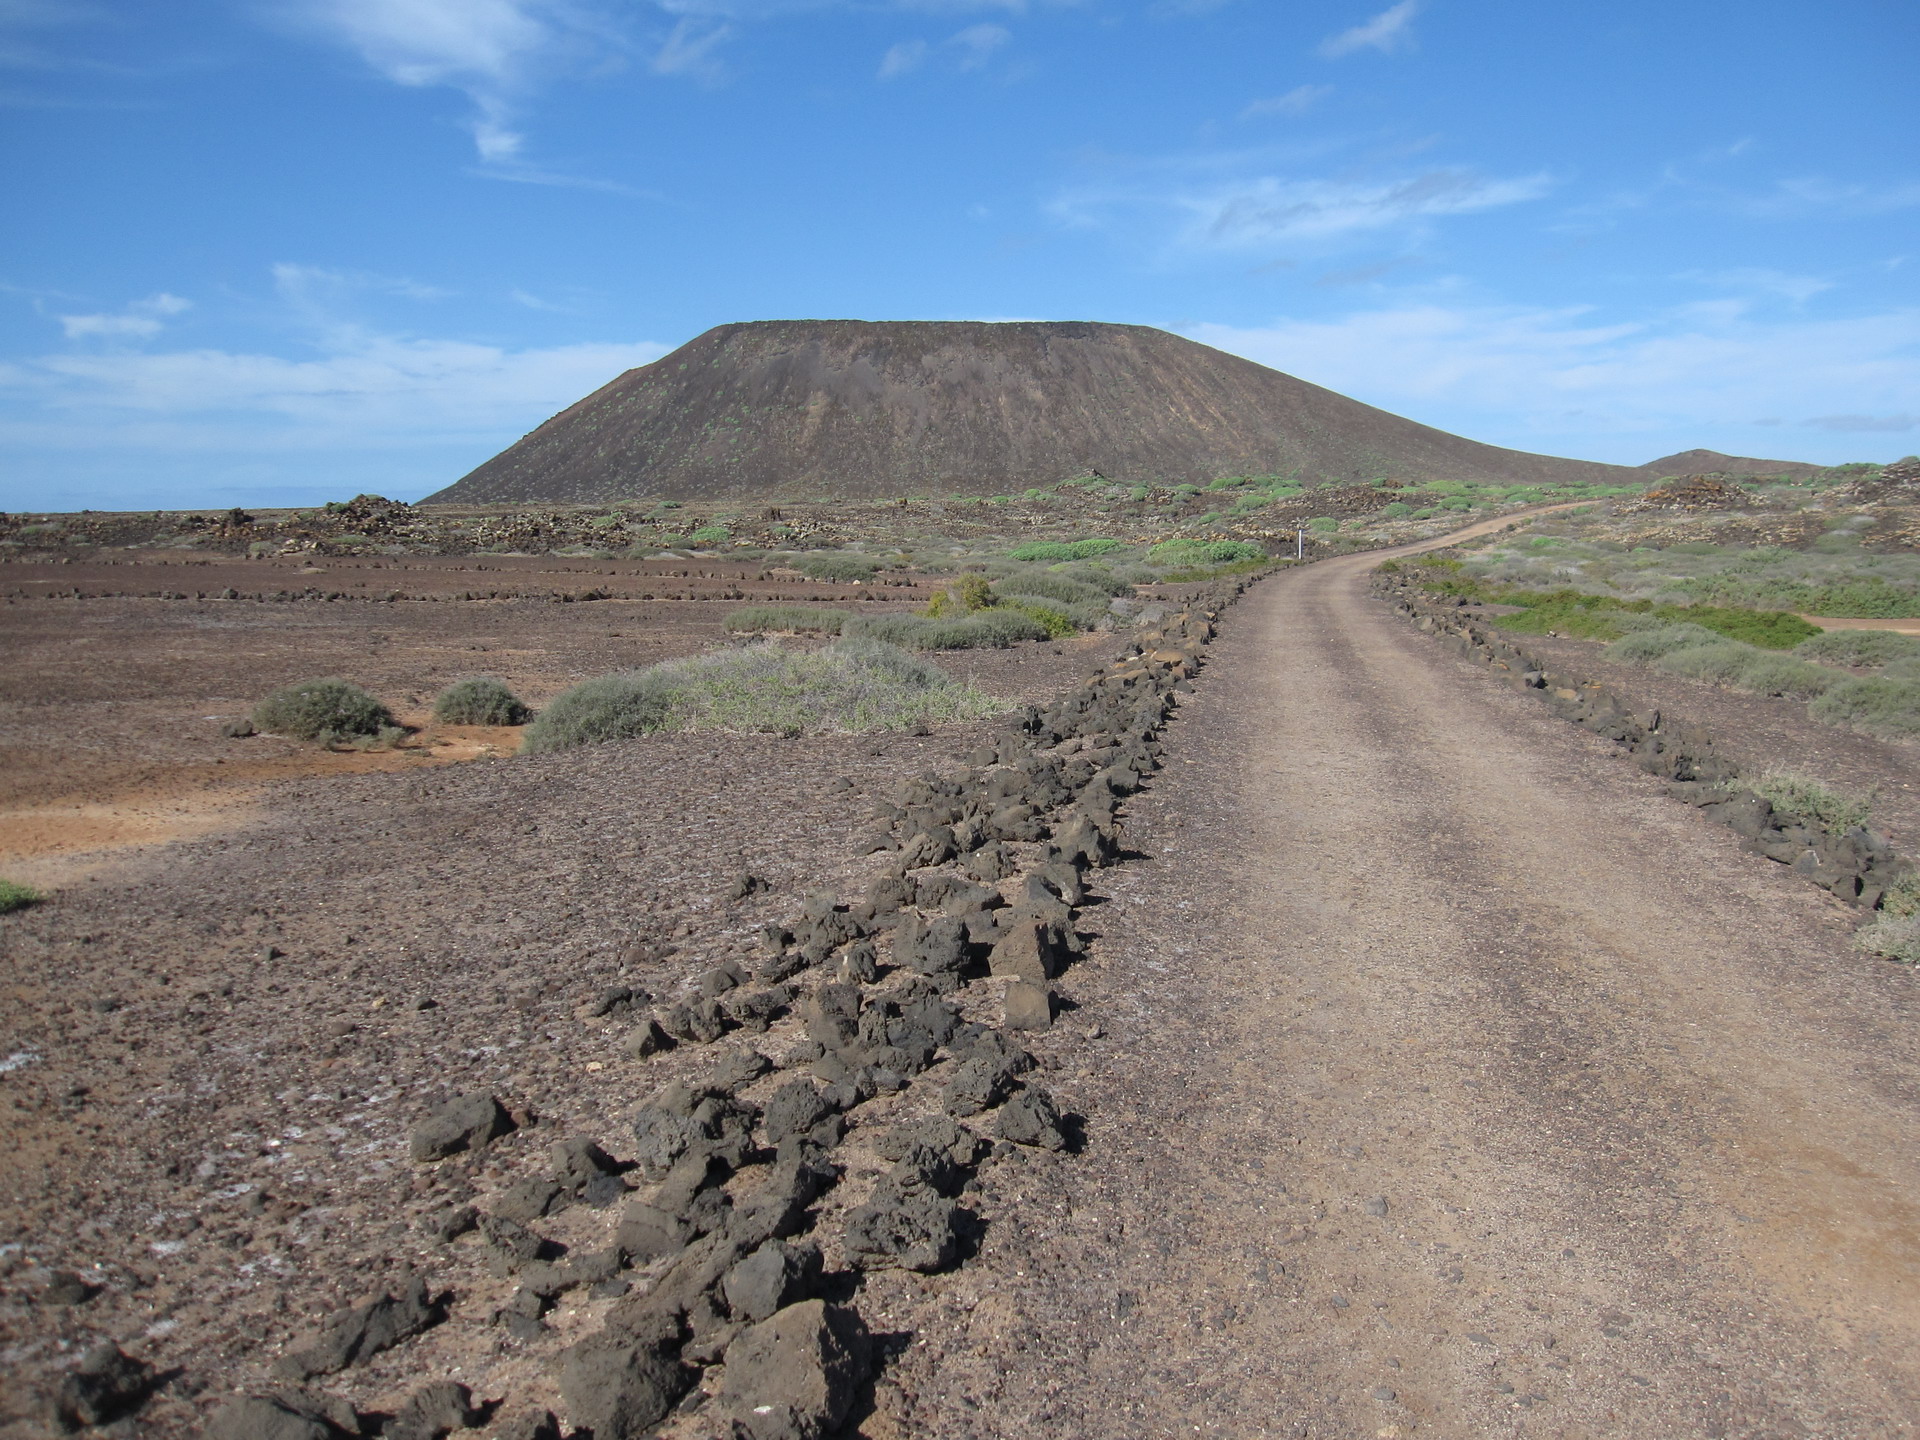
(361, 1331)
(466, 1122)
(795, 1376)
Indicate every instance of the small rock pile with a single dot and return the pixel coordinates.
(1692, 493)
(1896, 484)
(731, 1271)
(1854, 864)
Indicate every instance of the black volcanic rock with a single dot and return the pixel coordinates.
(853, 408)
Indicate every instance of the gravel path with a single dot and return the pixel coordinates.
(1449, 1081)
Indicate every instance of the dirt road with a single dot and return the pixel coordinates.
(1451, 1082)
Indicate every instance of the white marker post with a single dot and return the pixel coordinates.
(1299, 544)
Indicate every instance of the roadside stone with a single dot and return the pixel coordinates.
(466, 1122)
(698, 1022)
(795, 1376)
(578, 1162)
(775, 1275)
(620, 1389)
(281, 1416)
(1028, 1006)
(528, 1200)
(360, 1332)
(646, 1039)
(936, 1132)
(509, 1245)
(449, 1225)
(1030, 1119)
(793, 1109)
(975, 1085)
(1029, 949)
(104, 1386)
(527, 1425)
(913, 1228)
(433, 1411)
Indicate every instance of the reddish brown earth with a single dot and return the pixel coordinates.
(1439, 1076)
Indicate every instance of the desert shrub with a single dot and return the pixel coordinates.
(837, 567)
(479, 700)
(16, 897)
(611, 707)
(1649, 645)
(1806, 798)
(983, 630)
(1903, 669)
(975, 592)
(710, 535)
(325, 710)
(1858, 647)
(1099, 577)
(1878, 704)
(1892, 937)
(1057, 550)
(1747, 667)
(1047, 587)
(1195, 552)
(792, 619)
(1056, 621)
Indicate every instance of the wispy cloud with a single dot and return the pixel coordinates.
(1864, 424)
(1822, 198)
(1296, 101)
(903, 59)
(1390, 30)
(1759, 280)
(1270, 210)
(1563, 378)
(977, 44)
(138, 321)
(689, 49)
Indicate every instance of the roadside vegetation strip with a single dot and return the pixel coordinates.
(758, 1194)
(1788, 819)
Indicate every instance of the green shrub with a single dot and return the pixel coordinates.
(1099, 577)
(328, 710)
(710, 535)
(1649, 645)
(1747, 667)
(1046, 587)
(983, 630)
(1864, 648)
(1806, 798)
(837, 567)
(479, 700)
(1216, 552)
(611, 707)
(1878, 704)
(1055, 550)
(16, 897)
(1892, 937)
(790, 619)
(1056, 621)
(974, 592)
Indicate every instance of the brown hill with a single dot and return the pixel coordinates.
(855, 408)
(1712, 462)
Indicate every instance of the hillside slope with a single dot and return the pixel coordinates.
(857, 408)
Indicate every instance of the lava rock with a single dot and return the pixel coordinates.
(104, 1386)
(773, 1276)
(1028, 1006)
(976, 1084)
(361, 1331)
(796, 1107)
(912, 1227)
(1030, 1119)
(284, 1415)
(433, 1411)
(619, 1388)
(466, 1122)
(526, 1200)
(646, 1039)
(796, 1375)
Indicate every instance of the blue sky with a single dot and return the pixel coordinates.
(277, 251)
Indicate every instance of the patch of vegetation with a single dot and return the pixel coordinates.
(330, 711)
(841, 568)
(1877, 704)
(1589, 616)
(1892, 937)
(1646, 646)
(710, 535)
(1805, 798)
(1747, 667)
(479, 700)
(1205, 552)
(1057, 550)
(610, 707)
(1860, 649)
(993, 629)
(786, 619)
(16, 897)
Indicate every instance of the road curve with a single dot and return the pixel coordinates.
(1452, 1082)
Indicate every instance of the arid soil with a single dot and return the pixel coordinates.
(1437, 1075)
(1452, 1082)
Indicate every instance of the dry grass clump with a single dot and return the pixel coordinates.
(786, 619)
(1861, 649)
(479, 700)
(1805, 798)
(853, 686)
(330, 711)
(1882, 705)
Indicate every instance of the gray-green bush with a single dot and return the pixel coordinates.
(1806, 798)
(1747, 667)
(982, 630)
(329, 711)
(837, 567)
(853, 686)
(786, 619)
(479, 700)
(1049, 587)
(1866, 649)
(1892, 937)
(1878, 704)
(1646, 646)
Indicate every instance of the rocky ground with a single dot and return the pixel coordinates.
(1426, 1071)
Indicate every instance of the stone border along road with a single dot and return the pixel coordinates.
(1855, 865)
(985, 871)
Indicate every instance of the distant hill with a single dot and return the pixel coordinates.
(855, 409)
(1712, 462)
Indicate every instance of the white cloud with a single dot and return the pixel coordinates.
(1252, 213)
(1566, 380)
(141, 319)
(903, 59)
(976, 44)
(1864, 424)
(1391, 29)
(382, 390)
(689, 49)
(1296, 101)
